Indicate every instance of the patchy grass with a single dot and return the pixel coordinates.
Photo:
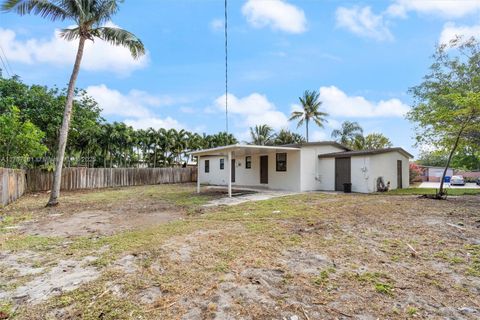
(327, 256)
(431, 191)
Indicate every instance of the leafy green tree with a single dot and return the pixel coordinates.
(262, 135)
(19, 140)
(310, 111)
(348, 133)
(90, 17)
(373, 141)
(288, 137)
(446, 108)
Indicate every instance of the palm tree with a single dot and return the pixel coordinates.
(310, 105)
(90, 17)
(288, 137)
(348, 133)
(262, 135)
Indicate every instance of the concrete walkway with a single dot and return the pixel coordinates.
(241, 195)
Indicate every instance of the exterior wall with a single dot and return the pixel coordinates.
(215, 176)
(282, 180)
(364, 172)
(317, 174)
(385, 165)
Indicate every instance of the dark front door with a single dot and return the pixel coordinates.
(233, 170)
(342, 173)
(264, 169)
(399, 174)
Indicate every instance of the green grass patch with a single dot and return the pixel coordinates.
(432, 191)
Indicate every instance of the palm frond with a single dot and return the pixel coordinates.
(70, 34)
(120, 37)
(43, 8)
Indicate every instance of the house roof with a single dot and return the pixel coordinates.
(364, 153)
(246, 148)
(318, 143)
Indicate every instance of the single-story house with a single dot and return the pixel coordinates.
(324, 165)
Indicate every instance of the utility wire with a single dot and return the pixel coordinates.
(7, 62)
(226, 66)
(4, 66)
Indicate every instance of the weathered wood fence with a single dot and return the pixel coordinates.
(12, 185)
(95, 178)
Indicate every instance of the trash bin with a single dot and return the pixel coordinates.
(447, 179)
(347, 187)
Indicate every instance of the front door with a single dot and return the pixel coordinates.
(399, 174)
(233, 170)
(342, 173)
(264, 169)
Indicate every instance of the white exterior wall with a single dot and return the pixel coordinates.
(317, 174)
(385, 165)
(281, 180)
(361, 168)
(215, 176)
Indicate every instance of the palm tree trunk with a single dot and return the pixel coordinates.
(307, 128)
(62, 143)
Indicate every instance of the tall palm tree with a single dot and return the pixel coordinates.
(348, 133)
(90, 17)
(310, 104)
(262, 135)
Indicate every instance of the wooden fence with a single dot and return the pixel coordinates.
(93, 178)
(12, 185)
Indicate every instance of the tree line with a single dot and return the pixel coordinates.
(30, 118)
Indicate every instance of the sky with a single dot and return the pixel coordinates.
(362, 56)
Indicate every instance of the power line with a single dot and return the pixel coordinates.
(7, 62)
(226, 66)
(4, 66)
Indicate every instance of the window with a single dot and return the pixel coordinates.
(281, 162)
(248, 162)
(222, 164)
(207, 165)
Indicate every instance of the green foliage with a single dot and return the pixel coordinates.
(91, 141)
(19, 139)
(351, 135)
(287, 137)
(348, 133)
(262, 135)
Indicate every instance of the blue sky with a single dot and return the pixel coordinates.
(361, 56)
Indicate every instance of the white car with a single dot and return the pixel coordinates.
(457, 181)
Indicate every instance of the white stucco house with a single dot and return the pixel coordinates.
(324, 165)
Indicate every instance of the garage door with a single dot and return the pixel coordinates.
(342, 173)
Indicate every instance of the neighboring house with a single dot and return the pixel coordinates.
(434, 174)
(310, 166)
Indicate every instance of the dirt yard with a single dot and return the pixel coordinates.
(158, 253)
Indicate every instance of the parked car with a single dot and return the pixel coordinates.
(457, 181)
(478, 181)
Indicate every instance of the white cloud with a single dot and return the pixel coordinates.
(253, 109)
(135, 106)
(156, 123)
(98, 55)
(338, 104)
(363, 22)
(319, 136)
(217, 24)
(444, 8)
(187, 109)
(450, 31)
(276, 14)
